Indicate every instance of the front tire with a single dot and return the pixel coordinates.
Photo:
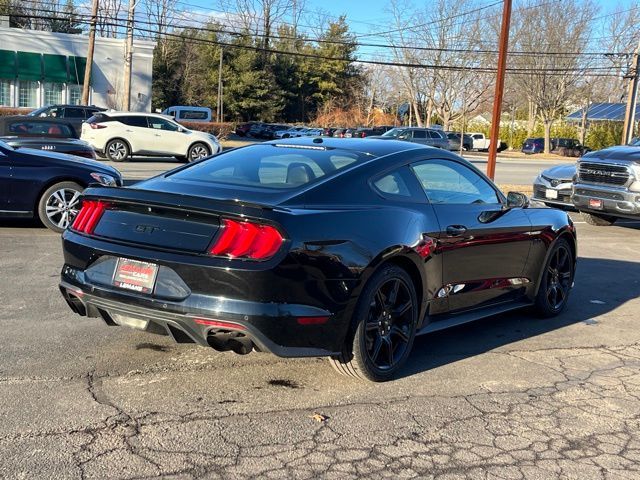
(197, 151)
(385, 328)
(598, 220)
(58, 205)
(557, 280)
(117, 150)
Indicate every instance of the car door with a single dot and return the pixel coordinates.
(5, 180)
(421, 137)
(167, 136)
(484, 244)
(137, 133)
(75, 116)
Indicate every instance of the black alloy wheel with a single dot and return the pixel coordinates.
(557, 280)
(386, 313)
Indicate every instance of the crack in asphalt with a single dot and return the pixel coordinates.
(576, 427)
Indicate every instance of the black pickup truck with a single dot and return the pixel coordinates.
(607, 184)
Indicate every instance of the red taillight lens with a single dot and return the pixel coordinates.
(247, 240)
(97, 126)
(89, 216)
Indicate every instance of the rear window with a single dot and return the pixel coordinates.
(41, 129)
(270, 166)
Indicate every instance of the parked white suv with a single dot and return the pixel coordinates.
(118, 135)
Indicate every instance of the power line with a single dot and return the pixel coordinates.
(376, 45)
(475, 69)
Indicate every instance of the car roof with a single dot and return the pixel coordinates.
(371, 146)
(114, 113)
(187, 106)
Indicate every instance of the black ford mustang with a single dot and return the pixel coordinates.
(315, 247)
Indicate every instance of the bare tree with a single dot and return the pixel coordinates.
(108, 24)
(550, 77)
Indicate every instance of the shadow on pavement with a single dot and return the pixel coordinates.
(611, 282)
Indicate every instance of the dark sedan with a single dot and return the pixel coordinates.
(315, 247)
(47, 185)
(45, 134)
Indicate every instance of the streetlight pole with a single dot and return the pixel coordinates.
(497, 102)
(632, 98)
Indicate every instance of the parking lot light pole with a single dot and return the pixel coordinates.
(497, 102)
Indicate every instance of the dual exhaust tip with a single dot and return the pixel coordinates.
(226, 340)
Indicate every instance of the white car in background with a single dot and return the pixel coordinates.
(292, 132)
(313, 132)
(118, 135)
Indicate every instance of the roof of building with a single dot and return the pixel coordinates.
(603, 111)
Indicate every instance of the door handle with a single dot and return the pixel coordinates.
(456, 230)
(129, 131)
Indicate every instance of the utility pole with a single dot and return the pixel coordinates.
(128, 55)
(92, 42)
(497, 101)
(219, 112)
(632, 98)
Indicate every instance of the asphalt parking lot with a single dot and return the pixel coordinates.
(509, 397)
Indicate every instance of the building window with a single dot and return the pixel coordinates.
(28, 94)
(75, 94)
(53, 93)
(5, 93)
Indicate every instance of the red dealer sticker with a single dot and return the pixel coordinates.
(135, 275)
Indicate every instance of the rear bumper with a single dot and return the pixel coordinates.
(616, 201)
(201, 319)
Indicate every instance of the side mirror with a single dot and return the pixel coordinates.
(182, 129)
(517, 200)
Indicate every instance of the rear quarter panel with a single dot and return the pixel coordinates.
(547, 225)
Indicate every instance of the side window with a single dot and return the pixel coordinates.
(134, 121)
(73, 112)
(419, 134)
(162, 124)
(392, 184)
(477, 136)
(449, 182)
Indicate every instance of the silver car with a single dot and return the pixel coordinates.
(553, 186)
(424, 136)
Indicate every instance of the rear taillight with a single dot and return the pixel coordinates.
(83, 153)
(247, 240)
(96, 126)
(89, 216)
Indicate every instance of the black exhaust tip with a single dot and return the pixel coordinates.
(226, 340)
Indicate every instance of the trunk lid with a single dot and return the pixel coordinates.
(166, 220)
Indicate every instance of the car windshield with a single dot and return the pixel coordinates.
(271, 166)
(394, 132)
(39, 111)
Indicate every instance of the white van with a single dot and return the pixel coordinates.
(189, 114)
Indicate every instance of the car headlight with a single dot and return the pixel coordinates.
(104, 179)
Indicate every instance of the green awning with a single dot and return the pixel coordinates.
(7, 64)
(55, 68)
(77, 66)
(29, 66)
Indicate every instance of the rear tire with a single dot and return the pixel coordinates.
(598, 220)
(557, 280)
(117, 150)
(58, 205)
(385, 327)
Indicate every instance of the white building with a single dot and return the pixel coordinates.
(44, 68)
